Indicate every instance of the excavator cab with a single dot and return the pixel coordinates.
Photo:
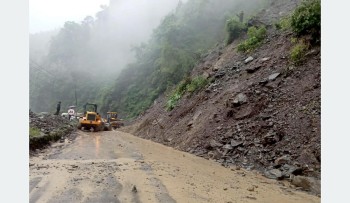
(115, 122)
(112, 116)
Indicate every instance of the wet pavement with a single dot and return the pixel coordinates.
(118, 167)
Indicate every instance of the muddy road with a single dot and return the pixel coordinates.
(119, 167)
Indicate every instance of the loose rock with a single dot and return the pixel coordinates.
(253, 69)
(282, 160)
(249, 59)
(134, 190)
(214, 143)
(240, 99)
(251, 188)
(235, 143)
(273, 174)
(273, 76)
(307, 183)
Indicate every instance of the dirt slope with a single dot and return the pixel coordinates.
(263, 114)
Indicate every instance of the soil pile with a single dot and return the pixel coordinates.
(51, 127)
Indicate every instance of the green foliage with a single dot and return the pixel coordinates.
(177, 93)
(233, 29)
(255, 38)
(293, 40)
(196, 84)
(306, 19)
(284, 23)
(298, 52)
(171, 53)
(171, 103)
(186, 85)
(34, 132)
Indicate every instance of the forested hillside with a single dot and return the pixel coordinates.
(90, 61)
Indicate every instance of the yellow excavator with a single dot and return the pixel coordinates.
(93, 120)
(114, 121)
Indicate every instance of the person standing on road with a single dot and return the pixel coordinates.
(58, 108)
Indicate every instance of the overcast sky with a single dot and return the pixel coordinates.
(47, 15)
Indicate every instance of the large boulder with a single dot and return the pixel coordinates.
(307, 183)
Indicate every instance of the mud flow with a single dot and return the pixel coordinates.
(118, 167)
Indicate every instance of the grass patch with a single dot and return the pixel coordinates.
(196, 84)
(255, 38)
(284, 24)
(187, 85)
(297, 54)
(34, 132)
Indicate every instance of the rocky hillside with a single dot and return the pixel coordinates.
(259, 112)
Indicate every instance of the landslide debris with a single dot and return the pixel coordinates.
(47, 128)
(260, 111)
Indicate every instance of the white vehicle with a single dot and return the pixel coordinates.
(64, 115)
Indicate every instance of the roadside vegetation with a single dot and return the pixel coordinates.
(234, 29)
(256, 35)
(305, 22)
(34, 132)
(306, 19)
(284, 24)
(188, 85)
(297, 53)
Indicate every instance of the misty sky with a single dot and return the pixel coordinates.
(45, 15)
(119, 31)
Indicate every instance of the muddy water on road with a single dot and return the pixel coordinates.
(118, 167)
